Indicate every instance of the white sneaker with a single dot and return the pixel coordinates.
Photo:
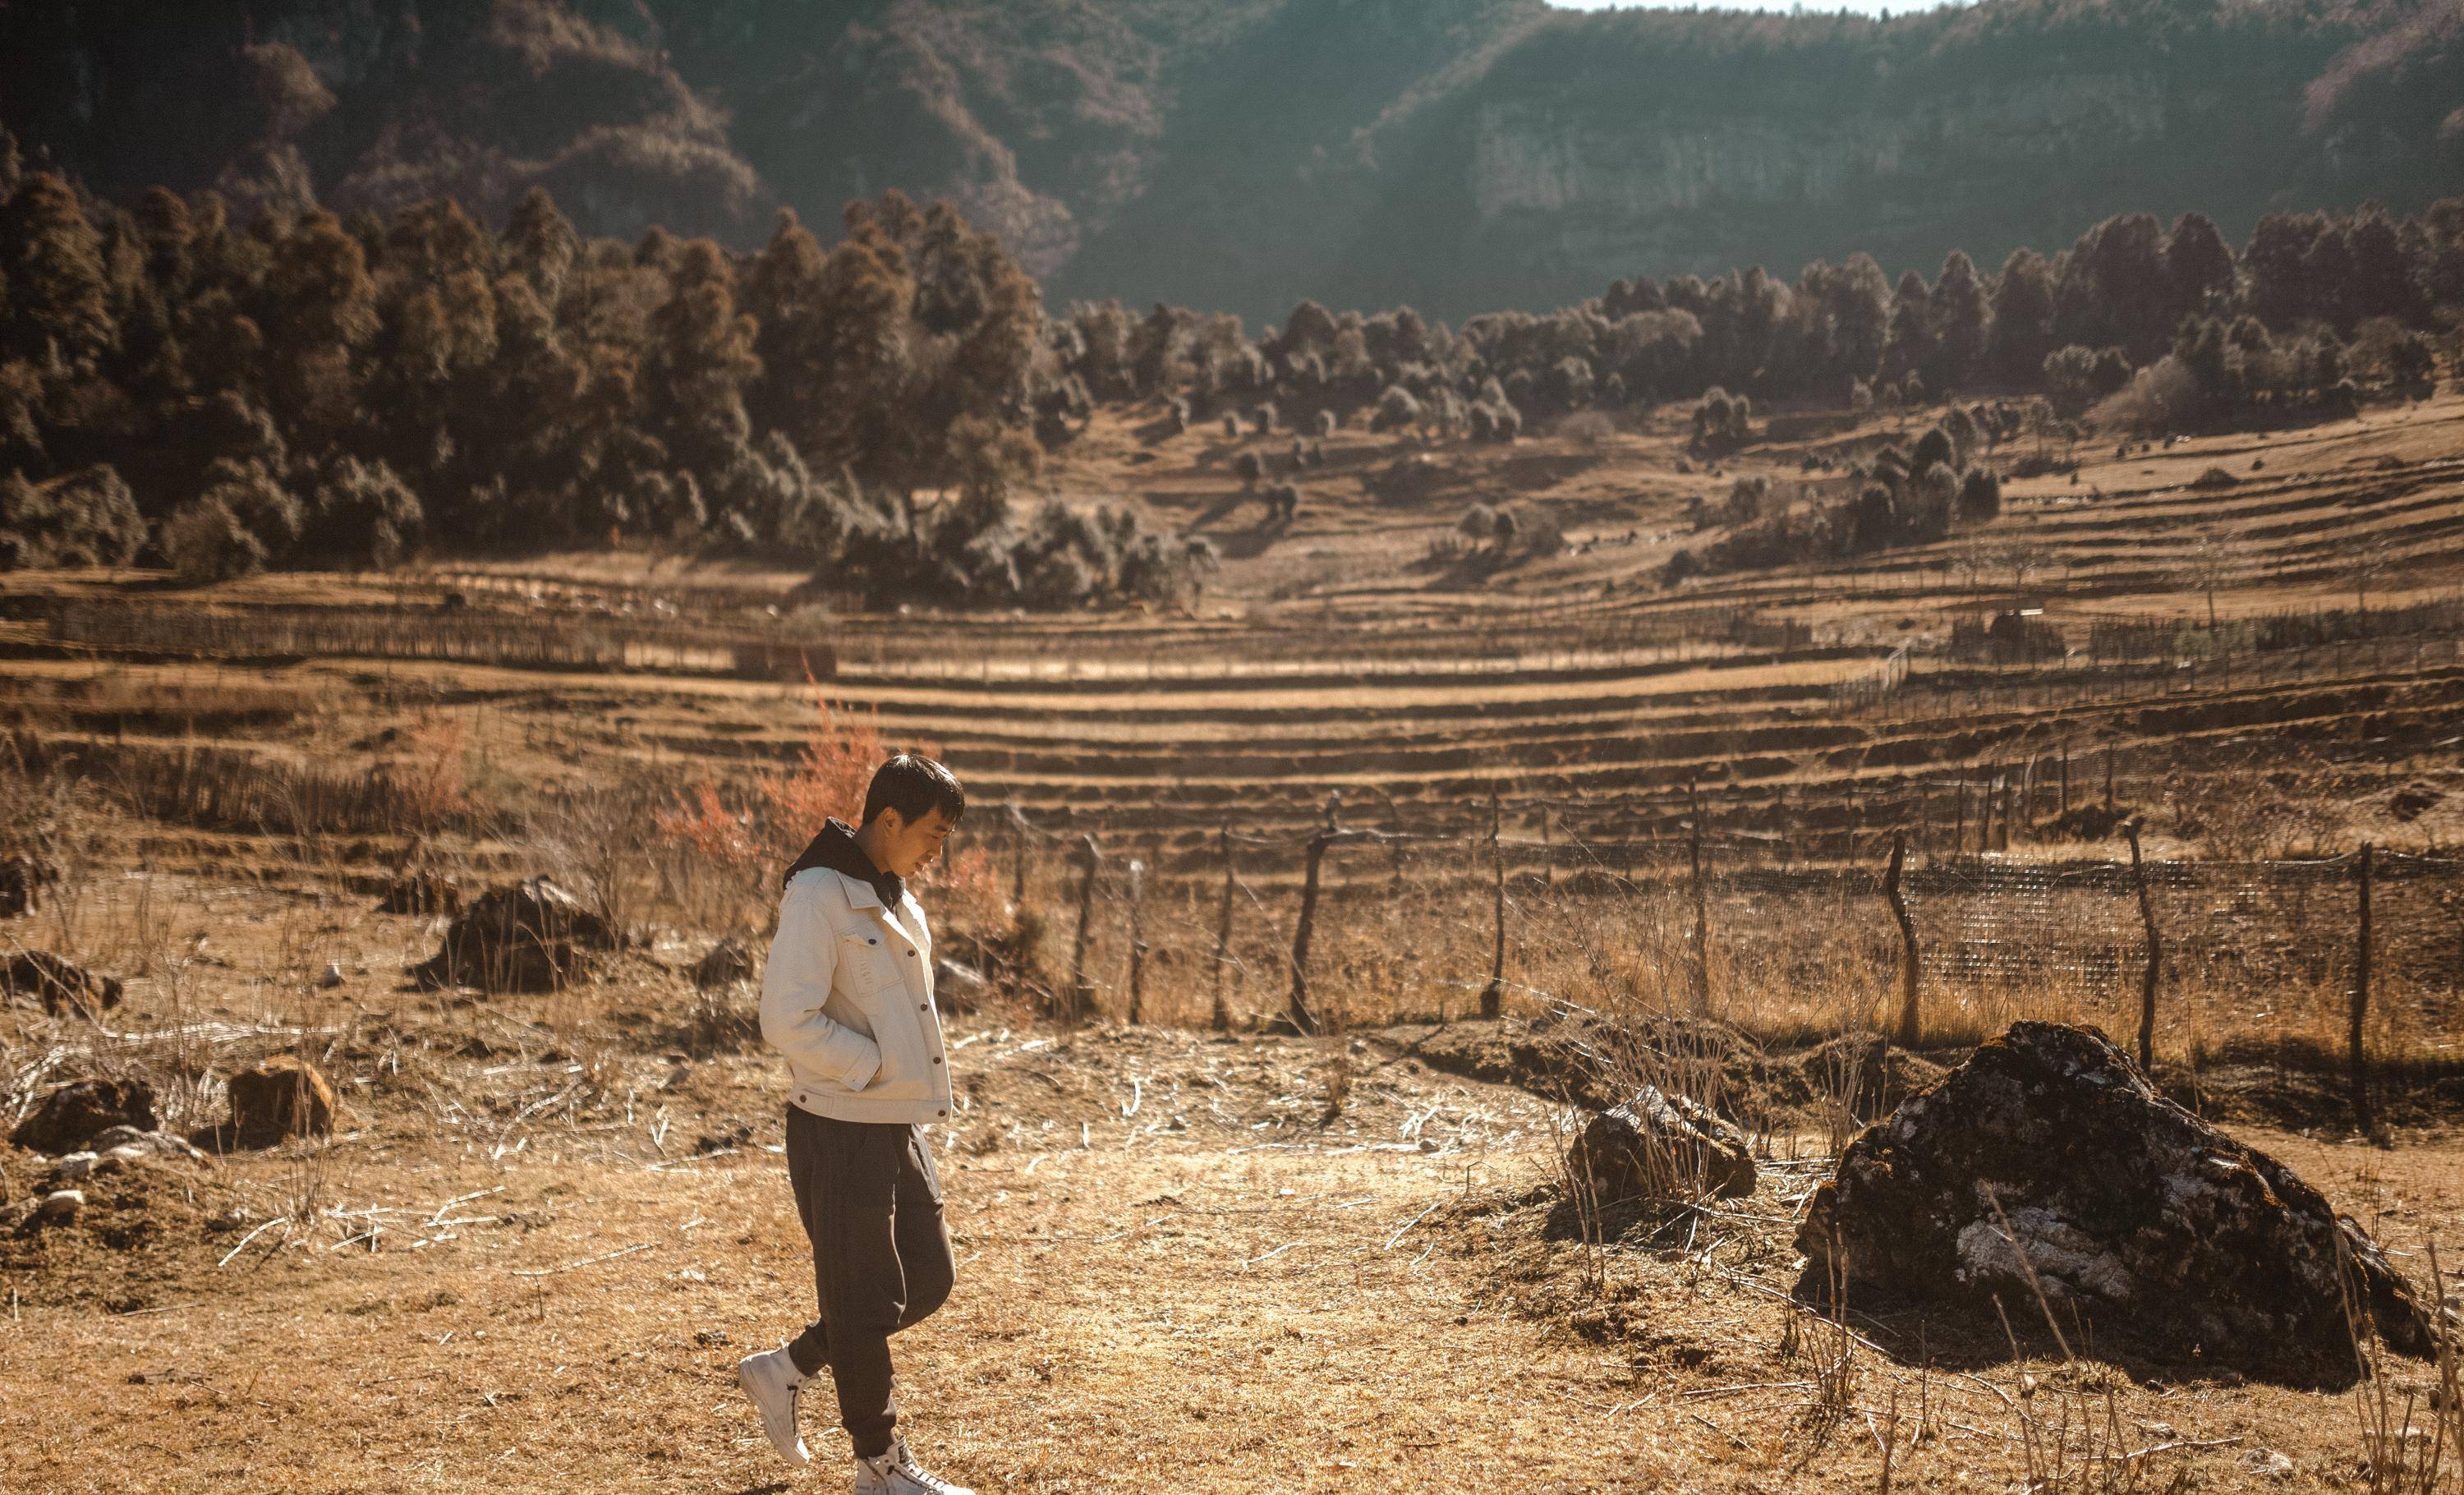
(897, 1473)
(772, 1380)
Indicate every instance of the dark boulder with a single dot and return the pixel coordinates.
(1659, 1146)
(525, 936)
(61, 985)
(2135, 1217)
(74, 1114)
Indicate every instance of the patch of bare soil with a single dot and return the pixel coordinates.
(133, 1240)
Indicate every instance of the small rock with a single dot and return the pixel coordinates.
(727, 1141)
(333, 976)
(22, 881)
(729, 961)
(59, 984)
(161, 1144)
(2413, 801)
(68, 1167)
(526, 937)
(62, 1205)
(69, 1117)
(225, 1221)
(120, 1157)
(1663, 1146)
(283, 1097)
(2268, 1463)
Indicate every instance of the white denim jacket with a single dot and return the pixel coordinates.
(848, 997)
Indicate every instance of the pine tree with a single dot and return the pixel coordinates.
(51, 263)
(1962, 316)
(2021, 333)
(540, 245)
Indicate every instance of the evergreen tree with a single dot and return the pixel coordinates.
(540, 245)
(1962, 316)
(57, 300)
(1909, 345)
(2198, 265)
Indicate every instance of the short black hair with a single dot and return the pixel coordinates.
(914, 787)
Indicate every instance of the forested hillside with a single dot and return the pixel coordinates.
(1455, 155)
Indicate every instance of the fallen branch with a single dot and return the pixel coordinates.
(277, 1220)
(1406, 1227)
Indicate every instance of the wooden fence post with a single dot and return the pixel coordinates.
(1492, 996)
(1081, 1003)
(2363, 1115)
(1701, 904)
(1138, 940)
(1911, 1028)
(1548, 854)
(1302, 1019)
(2155, 955)
(1221, 1018)
(1017, 857)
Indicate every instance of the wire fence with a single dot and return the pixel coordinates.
(1409, 924)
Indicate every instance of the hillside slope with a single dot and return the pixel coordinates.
(1460, 155)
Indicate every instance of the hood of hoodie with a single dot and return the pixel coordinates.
(835, 848)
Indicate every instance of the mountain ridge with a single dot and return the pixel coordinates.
(1458, 157)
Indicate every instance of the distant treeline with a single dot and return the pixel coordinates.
(305, 390)
(2313, 304)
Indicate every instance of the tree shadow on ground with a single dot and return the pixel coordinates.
(1254, 541)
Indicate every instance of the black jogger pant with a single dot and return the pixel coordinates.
(872, 1206)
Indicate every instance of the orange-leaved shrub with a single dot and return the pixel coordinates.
(746, 840)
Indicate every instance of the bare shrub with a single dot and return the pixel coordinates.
(1588, 429)
(2163, 396)
(205, 541)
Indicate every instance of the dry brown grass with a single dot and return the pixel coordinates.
(1232, 1266)
(1214, 1265)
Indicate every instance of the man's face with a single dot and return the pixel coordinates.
(908, 845)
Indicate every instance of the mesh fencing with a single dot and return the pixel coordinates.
(1406, 925)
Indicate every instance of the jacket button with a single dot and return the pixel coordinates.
(936, 1059)
(945, 1113)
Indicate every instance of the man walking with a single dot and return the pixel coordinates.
(848, 997)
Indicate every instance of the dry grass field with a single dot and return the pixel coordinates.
(543, 1236)
(1247, 1259)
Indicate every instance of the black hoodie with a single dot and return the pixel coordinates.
(836, 849)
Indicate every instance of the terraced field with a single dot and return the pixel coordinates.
(1335, 656)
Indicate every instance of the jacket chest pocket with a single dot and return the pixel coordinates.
(866, 965)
